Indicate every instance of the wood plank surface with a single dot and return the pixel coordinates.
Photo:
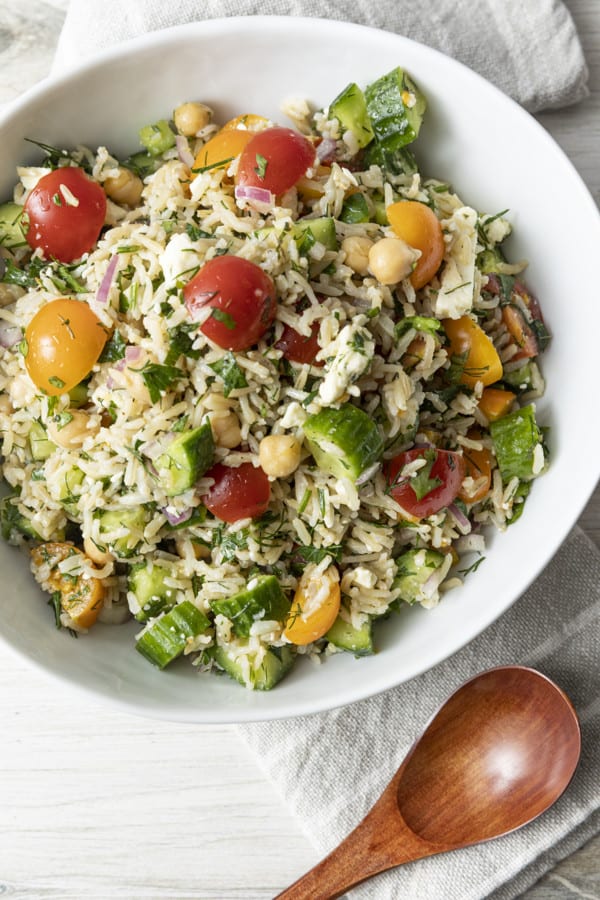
(95, 804)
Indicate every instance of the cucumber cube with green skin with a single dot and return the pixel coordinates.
(321, 230)
(167, 637)
(516, 437)
(414, 568)
(276, 663)
(11, 229)
(396, 160)
(345, 442)
(134, 520)
(68, 493)
(489, 260)
(520, 379)
(355, 209)
(262, 598)
(355, 640)
(350, 109)
(396, 108)
(185, 460)
(39, 443)
(151, 593)
(13, 522)
(157, 138)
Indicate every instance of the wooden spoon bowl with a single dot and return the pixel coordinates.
(498, 753)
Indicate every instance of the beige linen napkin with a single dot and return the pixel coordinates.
(530, 50)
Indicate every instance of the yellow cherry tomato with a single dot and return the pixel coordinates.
(419, 226)
(80, 597)
(495, 403)
(478, 466)
(478, 356)
(222, 148)
(315, 606)
(63, 341)
(247, 121)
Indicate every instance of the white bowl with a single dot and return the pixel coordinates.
(497, 157)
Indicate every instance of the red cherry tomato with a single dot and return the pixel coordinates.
(241, 493)
(445, 476)
(297, 347)
(275, 159)
(65, 212)
(241, 297)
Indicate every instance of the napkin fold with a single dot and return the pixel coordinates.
(331, 767)
(529, 50)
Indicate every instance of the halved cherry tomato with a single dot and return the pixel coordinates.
(63, 341)
(419, 226)
(470, 343)
(238, 493)
(221, 149)
(275, 159)
(495, 403)
(247, 122)
(521, 331)
(80, 597)
(315, 606)
(297, 347)
(65, 212)
(241, 298)
(478, 466)
(446, 471)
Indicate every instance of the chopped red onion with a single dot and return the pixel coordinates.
(175, 518)
(132, 354)
(183, 151)
(9, 335)
(105, 284)
(326, 150)
(256, 194)
(460, 517)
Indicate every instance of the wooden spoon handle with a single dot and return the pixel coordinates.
(380, 842)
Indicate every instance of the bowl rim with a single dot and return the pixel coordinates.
(247, 25)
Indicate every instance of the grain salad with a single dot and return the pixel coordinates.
(261, 387)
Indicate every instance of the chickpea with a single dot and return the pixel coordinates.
(357, 250)
(190, 118)
(73, 433)
(97, 556)
(9, 293)
(124, 188)
(226, 429)
(391, 260)
(279, 455)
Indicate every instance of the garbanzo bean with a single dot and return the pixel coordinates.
(279, 455)
(391, 260)
(356, 248)
(124, 188)
(190, 118)
(71, 434)
(226, 429)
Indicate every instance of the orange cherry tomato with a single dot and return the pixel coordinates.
(521, 331)
(495, 403)
(80, 597)
(478, 355)
(221, 149)
(478, 466)
(315, 606)
(63, 341)
(246, 122)
(419, 226)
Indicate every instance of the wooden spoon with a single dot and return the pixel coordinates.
(499, 752)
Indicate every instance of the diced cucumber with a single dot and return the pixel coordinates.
(345, 442)
(355, 209)
(68, 493)
(166, 639)
(41, 446)
(355, 640)
(321, 230)
(157, 138)
(414, 569)
(261, 599)
(516, 438)
(141, 164)
(380, 210)
(186, 459)
(489, 260)
(11, 230)
(520, 379)
(78, 395)
(395, 160)
(134, 520)
(12, 520)
(396, 108)
(350, 109)
(151, 593)
(276, 663)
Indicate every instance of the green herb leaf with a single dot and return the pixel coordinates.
(114, 348)
(318, 554)
(159, 378)
(195, 233)
(230, 373)
(181, 340)
(422, 483)
(425, 324)
(27, 277)
(261, 165)
(63, 418)
(216, 165)
(56, 382)
(221, 316)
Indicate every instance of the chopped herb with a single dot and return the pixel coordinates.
(128, 248)
(426, 324)
(261, 165)
(63, 418)
(422, 483)
(23, 347)
(55, 381)
(55, 157)
(215, 165)
(159, 378)
(221, 316)
(195, 233)
(304, 502)
(472, 568)
(229, 543)
(181, 341)
(180, 424)
(318, 554)
(507, 284)
(441, 188)
(28, 277)
(458, 287)
(54, 602)
(114, 348)
(56, 199)
(228, 370)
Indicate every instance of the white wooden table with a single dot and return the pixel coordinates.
(95, 804)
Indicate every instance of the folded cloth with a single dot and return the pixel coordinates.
(331, 767)
(530, 50)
